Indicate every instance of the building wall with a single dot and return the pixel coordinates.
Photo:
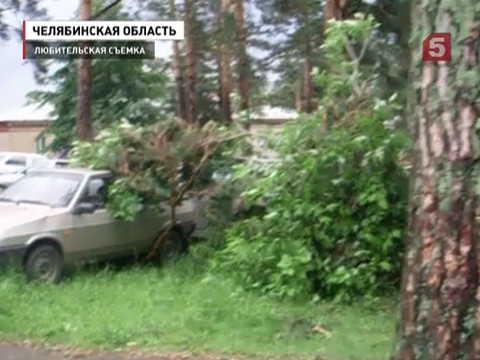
(20, 137)
(3, 137)
(4, 143)
(24, 139)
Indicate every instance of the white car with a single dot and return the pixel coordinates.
(42, 163)
(15, 162)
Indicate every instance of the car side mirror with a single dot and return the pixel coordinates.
(84, 208)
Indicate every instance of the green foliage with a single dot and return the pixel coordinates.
(336, 199)
(388, 53)
(122, 202)
(30, 9)
(105, 153)
(133, 89)
(159, 163)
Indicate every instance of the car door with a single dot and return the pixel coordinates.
(147, 225)
(98, 235)
(13, 164)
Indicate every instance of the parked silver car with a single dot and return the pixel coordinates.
(8, 179)
(53, 217)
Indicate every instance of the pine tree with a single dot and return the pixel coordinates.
(178, 70)
(440, 312)
(84, 84)
(224, 41)
(30, 8)
(301, 22)
(243, 66)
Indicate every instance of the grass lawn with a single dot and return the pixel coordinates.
(179, 308)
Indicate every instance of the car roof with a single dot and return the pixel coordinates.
(17, 153)
(74, 171)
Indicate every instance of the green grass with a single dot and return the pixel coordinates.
(179, 309)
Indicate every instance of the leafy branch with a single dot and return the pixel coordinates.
(152, 161)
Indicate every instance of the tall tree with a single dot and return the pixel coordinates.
(122, 88)
(300, 25)
(440, 309)
(334, 9)
(177, 69)
(30, 8)
(190, 20)
(307, 61)
(208, 32)
(134, 89)
(243, 67)
(84, 84)
(225, 59)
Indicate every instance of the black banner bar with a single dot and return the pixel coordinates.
(90, 50)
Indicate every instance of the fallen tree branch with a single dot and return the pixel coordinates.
(177, 196)
(158, 242)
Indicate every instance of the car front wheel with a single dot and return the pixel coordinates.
(44, 263)
(171, 249)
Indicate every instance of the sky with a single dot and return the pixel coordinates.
(16, 76)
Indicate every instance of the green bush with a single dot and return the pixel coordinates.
(334, 221)
(336, 199)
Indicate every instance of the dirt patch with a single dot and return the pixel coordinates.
(33, 351)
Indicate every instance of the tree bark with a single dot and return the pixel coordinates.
(84, 84)
(177, 70)
(242, 57)
(225, 61)
(308, 81)
(191, 98)
(298, 96)
(334, 9)
(307, 66)
(440, 310)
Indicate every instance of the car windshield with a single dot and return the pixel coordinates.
(55, 190)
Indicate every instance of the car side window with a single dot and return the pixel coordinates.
(17, 161)
(99, 197)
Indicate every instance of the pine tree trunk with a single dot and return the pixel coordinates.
(334, 9)
(440, 310)
(225, 62)
(307, 66)
(298, 96)
(177, 70)
(84, 84)
(191, 98)
(308, 83)
(243, 65)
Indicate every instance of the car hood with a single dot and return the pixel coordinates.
(12, 215)
(9, 169)
(12, 177)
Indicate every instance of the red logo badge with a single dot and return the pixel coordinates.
(437, 47)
